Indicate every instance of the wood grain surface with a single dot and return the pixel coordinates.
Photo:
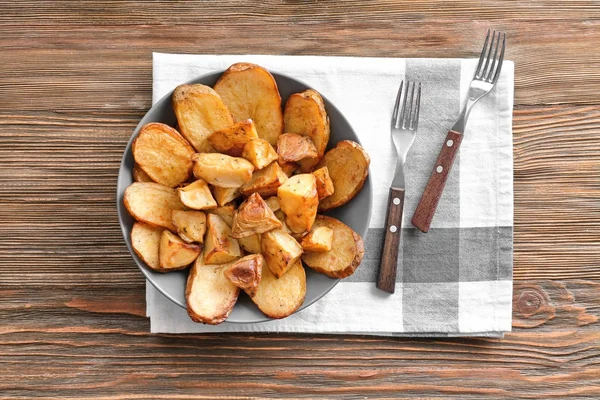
(75, 78)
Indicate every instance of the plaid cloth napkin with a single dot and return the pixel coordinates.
(455, 280)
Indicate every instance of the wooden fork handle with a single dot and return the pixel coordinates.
(437, 181)
(393, 227)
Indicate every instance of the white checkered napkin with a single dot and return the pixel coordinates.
(455, 280)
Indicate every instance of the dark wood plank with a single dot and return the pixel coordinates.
(75, 78)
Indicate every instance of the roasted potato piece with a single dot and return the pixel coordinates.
(225, 195)
(246, 273)
(265, 181)
(281, 216)
(152, 203)
(139, 175)
(191, 225)
(305, 114)
(299, 201)
(288, 167)
(260, 153)
(163, 154)
(253, 216)
(250, 91)
(145, 240)
(319, 239)
(220, 246)
(231, 140)
(278, 298)
(200, 111)
(175, 254)
(324, 182)
(273, 203)
(222, 170)
(348, 166)
(293, 147)
(209, 295)
(347, 250)
(251, 244)
(197, 196)
(281, 251)
(225, 212)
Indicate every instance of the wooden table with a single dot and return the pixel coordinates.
(75, 78)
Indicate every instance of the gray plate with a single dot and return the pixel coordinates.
(356, 213)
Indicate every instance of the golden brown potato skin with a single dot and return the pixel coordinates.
(305, 114)
(281, 251)
(246, 273)
(199, 111)
(293, 147)
(231, 140)
(265, 181)
(348, 166)
(163, 154)
(324, 183)
(175, 254)
(209, 295)
(250, 91)
(222, 170)
(253, 216)
(220, 246)
(347, 250)
(152, 203)
(145, 241)
(278, 298)
(139, 175)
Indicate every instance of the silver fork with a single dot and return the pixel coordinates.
(486, 77)
(405, 121)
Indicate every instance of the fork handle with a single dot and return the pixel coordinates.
(437, 181)
(393, 227)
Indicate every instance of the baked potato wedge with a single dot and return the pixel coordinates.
(152, 203)
(324, 182)
(163, 154)
(253, 216)
(273, 203)
(305, 114)
(191, 225)
(250, 91)
(145, 240)
(175, 254)
(348, 166)
(199, 111)
(231, 140)
(209, 295)
(220, 247)
(246, 273)
(139, 175)
(197, 196)
(298, 199)
(222, 170)
(225, 195)
(281, 251)
(225, 212)
(251, 244)
(318, 239)
(260, 153)
(265, 181)
(292, 147)
(278, 298)
(347, 250)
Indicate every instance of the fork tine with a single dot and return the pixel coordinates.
(400, 120)
(408, 113)
(414, 124)
(500, 60)
(395, 112)
(490, 72)
(482, 56)
(488, 56)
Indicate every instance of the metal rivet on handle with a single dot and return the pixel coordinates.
(439, 169)
(396, 201)
(393, 228)
(449, 143)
